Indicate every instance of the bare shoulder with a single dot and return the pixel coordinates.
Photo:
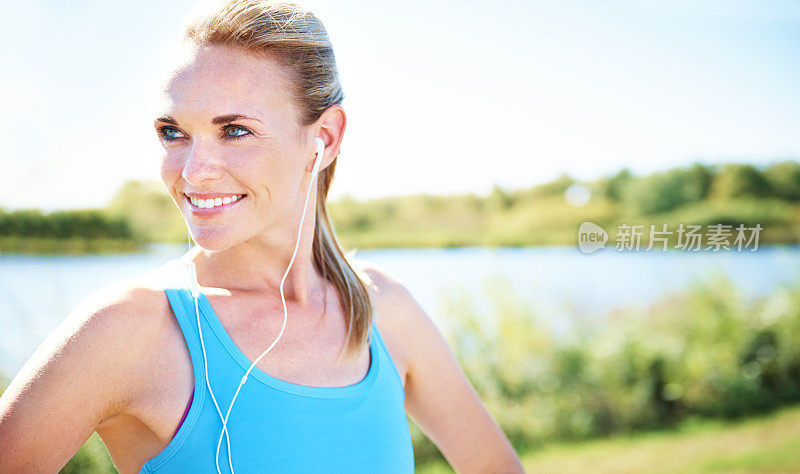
(375, 278)
(116, 324)
(84, 373)
(124, 309)
(105, 336)
(121, 302)
(129, 311)
(398, 312)
(387, 292)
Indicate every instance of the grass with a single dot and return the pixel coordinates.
(769, 443)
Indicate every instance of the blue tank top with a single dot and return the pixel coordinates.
(277, 426)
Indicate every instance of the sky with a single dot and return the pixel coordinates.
(441, 97)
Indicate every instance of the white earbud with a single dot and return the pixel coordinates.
(318, 159)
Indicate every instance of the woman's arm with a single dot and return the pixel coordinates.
(439, 397)
(78, 377)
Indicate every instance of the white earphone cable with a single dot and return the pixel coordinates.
(195, 290)
(195, 295)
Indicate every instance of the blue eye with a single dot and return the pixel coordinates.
(235, 131)
(169, 133)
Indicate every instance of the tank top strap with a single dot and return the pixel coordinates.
(387, 359)
(182, 305)
(180, 300)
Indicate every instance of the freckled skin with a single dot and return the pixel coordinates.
(267, 164)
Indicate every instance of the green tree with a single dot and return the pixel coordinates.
(784, 180)
(700, 177)
(740, 180)
(499, 198)
(615, 185)
(557, 187)
(667, 190)
(152, 213)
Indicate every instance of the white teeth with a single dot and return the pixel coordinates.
(209, 203)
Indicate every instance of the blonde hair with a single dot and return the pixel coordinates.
(297, 39)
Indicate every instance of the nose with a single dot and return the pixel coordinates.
(201, 164)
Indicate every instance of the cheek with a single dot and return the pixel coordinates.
(171, 170)
(256, 167)
(171, 167)
(245, 159)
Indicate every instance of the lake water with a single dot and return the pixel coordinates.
(37, 293)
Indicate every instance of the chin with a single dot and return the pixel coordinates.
(212, 238)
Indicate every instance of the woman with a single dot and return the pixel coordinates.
(176, 380)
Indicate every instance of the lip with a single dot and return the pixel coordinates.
(216, 210)
(211, 195)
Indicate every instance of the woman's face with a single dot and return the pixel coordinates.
(229, 133)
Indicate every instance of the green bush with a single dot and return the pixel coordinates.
(784, 180)
(150, 210)
(740, 180)
(614, 187)
(91, 458)
(83, 223)
(667, 190)
(702, 352)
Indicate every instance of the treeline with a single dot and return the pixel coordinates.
(84, 223)
(729, 194)
(671, 189)
(64, 232)
(139, 214)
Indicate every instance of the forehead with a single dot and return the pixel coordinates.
(224, 79)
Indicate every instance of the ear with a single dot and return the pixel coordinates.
(330, 127)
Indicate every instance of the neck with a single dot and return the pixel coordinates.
(259, 264)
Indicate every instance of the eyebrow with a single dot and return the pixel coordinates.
(216, 120)
(230, 118)
(167, 119)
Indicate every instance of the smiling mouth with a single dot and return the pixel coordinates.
(216, 202)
